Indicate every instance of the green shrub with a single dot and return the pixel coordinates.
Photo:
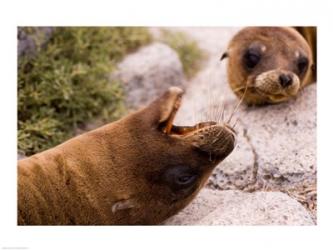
(188, 50)
(66, 83)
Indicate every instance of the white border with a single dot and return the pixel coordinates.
(164, 13)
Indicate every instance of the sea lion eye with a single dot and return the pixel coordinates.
(251, 58)
(185, 179)
(180, 177)
(302, 64)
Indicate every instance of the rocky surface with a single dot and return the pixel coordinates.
(148, 72)
(213, 207)
(20, 156)
(284, 137)
(29, 43)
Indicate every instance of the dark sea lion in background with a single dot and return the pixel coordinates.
(271, 63)
(138, 170)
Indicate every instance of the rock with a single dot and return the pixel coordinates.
(231, 207)
(206, 202)
(276, 147)
(148, 72)
(237, 170)
(284, 139)
(28, 43)
(20, 156)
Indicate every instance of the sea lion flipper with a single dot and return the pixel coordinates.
(123, 204)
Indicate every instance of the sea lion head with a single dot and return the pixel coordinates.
(165, 165)
(271, 63)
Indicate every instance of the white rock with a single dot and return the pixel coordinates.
(284, 138)
(148, 72)
(231, 207)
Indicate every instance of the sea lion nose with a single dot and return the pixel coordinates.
(285, 80)
(216, 140)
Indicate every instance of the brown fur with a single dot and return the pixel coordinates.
(279, 46)
(310, 35)
(120, 173)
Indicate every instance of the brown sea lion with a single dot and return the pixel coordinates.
(138, 170)
(271, 63)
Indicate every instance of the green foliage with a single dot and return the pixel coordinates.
(67, 83)
(188, 51)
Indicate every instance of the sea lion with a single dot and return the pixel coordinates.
(271, 64)
(140, 169)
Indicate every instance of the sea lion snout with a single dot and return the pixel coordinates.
(216, 140)
(212, 138)
(285, 80)
(277, 85)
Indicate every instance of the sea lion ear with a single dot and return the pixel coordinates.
(162, 109)
(314, 68)
(169, 102)
(224, 55)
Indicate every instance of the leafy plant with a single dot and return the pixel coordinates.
(66, 83)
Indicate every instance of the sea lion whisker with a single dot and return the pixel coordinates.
(221, 118)
(215, 109)
(217, 137)
(223, 111)
(219, 113)
(218, 106)
(194, 114)
(237, 120)
(239, 89)
(211, 105)
(237, 106)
